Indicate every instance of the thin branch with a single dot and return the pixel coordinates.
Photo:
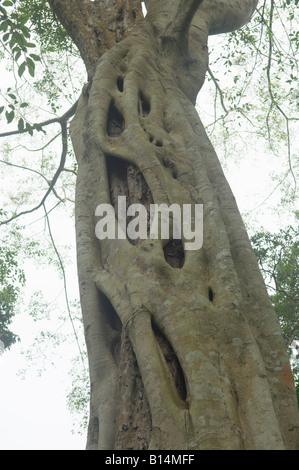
(291, 335)
(63, 124)
(40, 148)
(69, 170)
(273, 100)
(269, 195)
(64, 284)
(34, 171)
(55, 178)
(60, 120)
(219, 90)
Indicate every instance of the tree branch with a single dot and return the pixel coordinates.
(219, 90)
(54, 179)
(178, 29)
(225, 16)
(36, 172)
(272, 97)
(64, 285)
(62, 119)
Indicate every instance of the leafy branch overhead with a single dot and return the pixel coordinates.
(257, 91)
(16, 40)
(16, 36)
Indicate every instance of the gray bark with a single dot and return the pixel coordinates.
(185, 350)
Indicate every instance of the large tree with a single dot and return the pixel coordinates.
(185, 350)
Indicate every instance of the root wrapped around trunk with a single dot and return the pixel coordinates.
(185, 350)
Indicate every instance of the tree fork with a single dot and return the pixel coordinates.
(211, 311)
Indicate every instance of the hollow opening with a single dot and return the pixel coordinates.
(211, 294)
(158, 143)
(113, 322)
(120, 15)
(144, 105)
(174, 253)
(167, 163)
(125, 179)
(115, 122)
(109, 313)
(120, 84)
(144, 10)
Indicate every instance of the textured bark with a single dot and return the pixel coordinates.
(185, 350)
(96, 26)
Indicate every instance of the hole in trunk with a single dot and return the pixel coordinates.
(120, 16)
(174, 253)
(211, 294)
(144, 105)
(115, 122)
(110, 314)
(120, 84)
(125, 179)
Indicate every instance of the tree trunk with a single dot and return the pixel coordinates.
(185, 350)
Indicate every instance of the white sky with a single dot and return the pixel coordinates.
(33, 411)
(33, 414)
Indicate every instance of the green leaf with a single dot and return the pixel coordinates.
(21, 69)
(1, 109)
(23, 105)
(29, 128)
(31, 66)
(18, 55)
(21, 124)
(7, 3)
(25, 31)
(19, 38)
(38, 127)
(10, 116)
(35, 57)
(13, 41)
(4, 26)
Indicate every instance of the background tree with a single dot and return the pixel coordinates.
(11, 278)
(14, 248)
(278, 257)
(197, 317)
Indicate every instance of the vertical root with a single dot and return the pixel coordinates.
(174, 366)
